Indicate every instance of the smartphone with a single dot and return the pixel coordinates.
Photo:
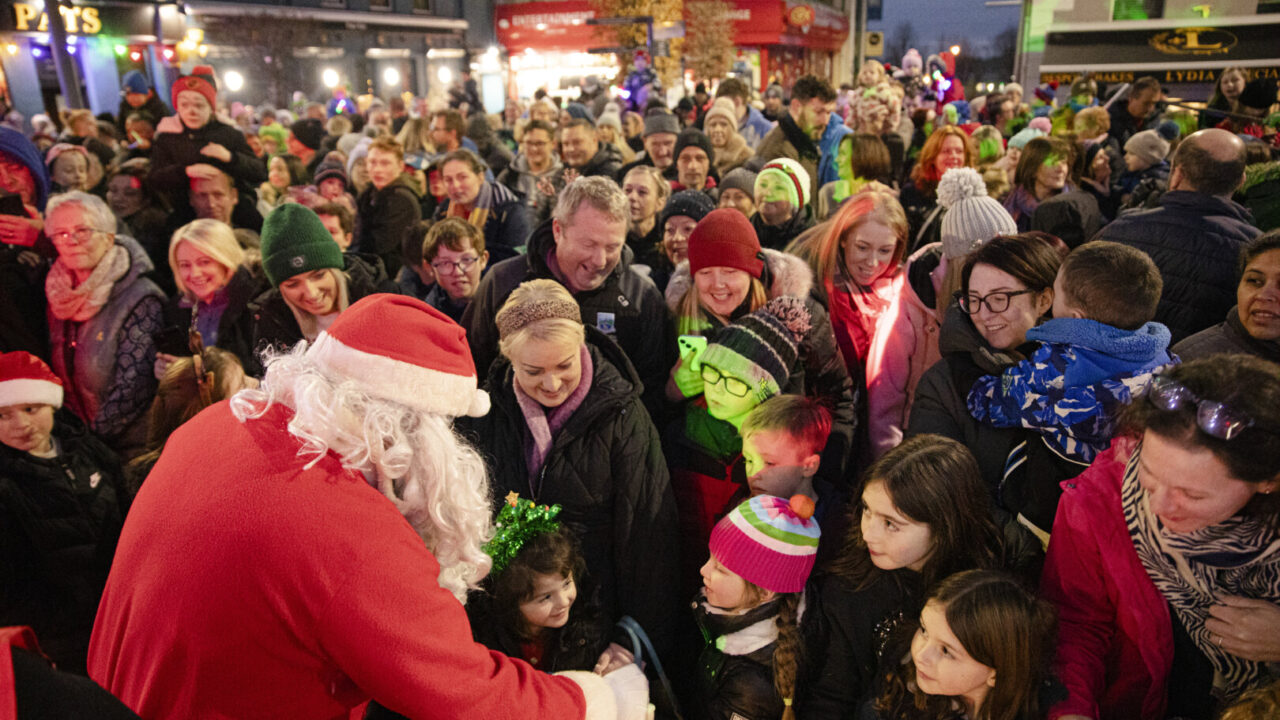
(691, 346)
(12, 205)
(174, 341)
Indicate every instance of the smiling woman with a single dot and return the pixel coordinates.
(1253, 325)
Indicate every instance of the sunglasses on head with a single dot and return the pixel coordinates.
(1215, 418)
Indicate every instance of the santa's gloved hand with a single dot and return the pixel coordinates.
(630, 691)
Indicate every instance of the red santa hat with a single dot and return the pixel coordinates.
(26, 380)
(400, 349)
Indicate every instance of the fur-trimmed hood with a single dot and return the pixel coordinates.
(785, 275)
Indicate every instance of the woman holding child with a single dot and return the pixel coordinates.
(567, 428)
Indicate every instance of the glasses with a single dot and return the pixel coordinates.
(80, 235)
(996, 302)
(1214, 418)
(732, 385)
(462, 266)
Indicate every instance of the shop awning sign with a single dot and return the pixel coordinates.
(1155, 50)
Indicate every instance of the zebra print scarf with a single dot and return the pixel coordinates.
(1239, 556)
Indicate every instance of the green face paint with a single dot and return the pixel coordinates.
(1052, 160)
(771, 188)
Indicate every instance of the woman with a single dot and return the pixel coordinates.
(312, 282)
(194, 137)
(647, 194)
(948, 147)
(142, 213)
(103, 318)
(1044, 170)
(729, 275)
(567, 427)
(22, 267)
(721, 124)
(1253, 325)
(415, 137)
(489, 206)
(1162, 562)
(1225, 98)
(214, 290)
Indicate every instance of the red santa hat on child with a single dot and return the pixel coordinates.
(400, 349)
(26, 380)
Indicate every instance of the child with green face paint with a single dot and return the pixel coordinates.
(748, 362)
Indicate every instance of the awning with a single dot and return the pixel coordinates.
(373, 19)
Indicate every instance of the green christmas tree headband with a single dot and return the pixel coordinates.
(518, 522)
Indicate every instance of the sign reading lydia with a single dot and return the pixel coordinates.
(1077, 50)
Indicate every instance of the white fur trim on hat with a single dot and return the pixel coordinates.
(421, 388)
(29, 391)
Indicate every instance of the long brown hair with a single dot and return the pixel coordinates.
(925, 175)
(1001, 625)
(932, 480)
(825, 251)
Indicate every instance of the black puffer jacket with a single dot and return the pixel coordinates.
(732, 684)
(1194, 239)
(235, 327)
(274, 324)
(627, 306)
(171, 153)
(59, 522)
(606, 470)
(382, 219)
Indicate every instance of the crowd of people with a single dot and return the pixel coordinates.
(934, 408)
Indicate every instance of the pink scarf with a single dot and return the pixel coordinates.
(78, 303)
(544, 425)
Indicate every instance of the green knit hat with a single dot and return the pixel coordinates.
(295, 241)
(760, 348)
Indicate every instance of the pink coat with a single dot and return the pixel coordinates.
(1115, 635)
(904, 346)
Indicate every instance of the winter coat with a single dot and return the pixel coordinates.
(522, 181)
(605, 468)
(23, 325)
(60, 519)
(787, 140)
(924, 215)
(1115, 633)
(778, 237)
(106, 363)
(154, 107)
(1072, 216)
(383, 217)
(1073, 385)
(733, 156)
(754, 126)
(845, 629)
(507, 226)
(1261, 194)
(904, 346)
(33, 684)
(1228, 336)
(172, 153)
(606, 162)
(829, 169)
(819, 370)
(735, 669)
(235, 326)
(276, 327)
(1194, 239)
(642, 159)
(626, 306)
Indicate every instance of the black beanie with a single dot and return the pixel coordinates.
(693, 137)
(693, 204)
(309, 132)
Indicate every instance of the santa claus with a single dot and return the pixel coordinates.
(304, 547)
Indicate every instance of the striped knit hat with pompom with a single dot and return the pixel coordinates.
(760, 348)
(769, 541)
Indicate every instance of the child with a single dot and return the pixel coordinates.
(61, 509)
(923, 515)
(416, 277)
(980, 650)
(454, 248)
(283, 172)
(782, 441)
(1145, 164)
(68, 167)
(746, 365)
(1098, 351)
(752, 585)
(330, 186)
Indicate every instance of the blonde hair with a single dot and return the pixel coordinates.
(692, 318)
(548, 329)
(211, 237)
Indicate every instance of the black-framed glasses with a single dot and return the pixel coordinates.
(997, 302)
(1215, 418)
(461, 265)
(734, 386)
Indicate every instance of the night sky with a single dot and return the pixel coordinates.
(937, 24)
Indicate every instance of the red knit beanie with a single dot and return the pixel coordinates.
(725, 238)
(201, 80)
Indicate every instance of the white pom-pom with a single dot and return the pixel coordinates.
(479, 404)
(960, 184)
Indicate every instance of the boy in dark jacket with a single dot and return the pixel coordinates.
(61, 509)
(1146, 167)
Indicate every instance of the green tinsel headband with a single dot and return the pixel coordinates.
(518, 522)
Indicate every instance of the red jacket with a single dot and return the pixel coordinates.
(246, 586)
(1115, 635)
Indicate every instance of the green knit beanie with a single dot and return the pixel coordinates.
(295, 241)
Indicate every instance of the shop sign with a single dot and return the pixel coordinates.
(1068, 50)
(1171, 76)
(77, 20)
(1194, 41)
(823, 27)
(800, 16)
(549, 26)
(114, 19)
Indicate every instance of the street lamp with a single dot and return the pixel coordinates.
(445, 75)
(391, 76)
(234, 80)
(329, 77)
(955, 50)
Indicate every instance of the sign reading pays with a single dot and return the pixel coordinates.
(77, 20)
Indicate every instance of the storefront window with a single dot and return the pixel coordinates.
(422, 5)
(1137, 9)
(379, 4)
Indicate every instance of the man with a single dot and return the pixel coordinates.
(773, 108)
(447, 130)
(339, 221)
(1136, 112)
(316, 572)
(388, 207)
(752, 126)
(305, 136)
(798, 132)
(661, 129)
(213, 196)
(583, 249)
(314, 111)
(1195, 235)
(399, 114)
(531, 173)
(582, 154)
(694, 158)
